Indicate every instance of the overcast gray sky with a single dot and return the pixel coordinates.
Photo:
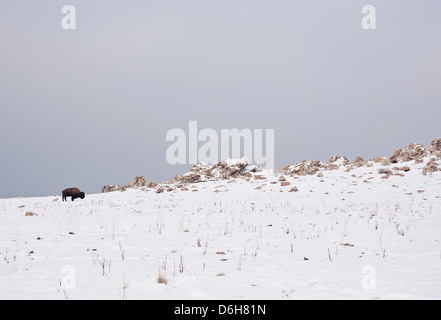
(92, 106)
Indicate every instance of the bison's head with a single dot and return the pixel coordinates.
(82, 195)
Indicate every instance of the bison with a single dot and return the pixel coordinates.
(74, 193)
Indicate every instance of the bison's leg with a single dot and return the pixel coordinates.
(73, 198)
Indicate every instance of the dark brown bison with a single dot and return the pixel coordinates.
(74, 193)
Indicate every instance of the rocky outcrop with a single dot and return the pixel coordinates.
(225, 169)
(336, 162)
(112, 188)
(137, 182)
(436, 144)
(411, 152)
(359, 162)
(431, 167)
(241, 168)
(303, 168)
(405, 168)
(152, 184)
(416, 152)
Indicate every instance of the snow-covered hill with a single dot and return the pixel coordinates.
(363, 229)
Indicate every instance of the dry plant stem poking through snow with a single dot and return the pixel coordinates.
(121, 248)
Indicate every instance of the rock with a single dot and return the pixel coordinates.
(137, 182)
(294, 189)
(430, 167)
(337, 161)
(30, 214)
(254, 168)
(411, 152)
(303, 168)
(190, 178)
(112, 188)
(405, 168)
(436, 144)
(359, 162)
(160, 190)
(396, 155)
(241, 168)
(225, 169)
(152, 184)
(285, 183)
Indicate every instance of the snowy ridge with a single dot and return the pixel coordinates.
(241, 168)
(223, 170)
(363, 229)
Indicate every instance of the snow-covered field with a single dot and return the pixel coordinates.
(343, 235)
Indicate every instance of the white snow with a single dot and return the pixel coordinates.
(346, 235)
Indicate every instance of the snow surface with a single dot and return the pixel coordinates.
(346, 235)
